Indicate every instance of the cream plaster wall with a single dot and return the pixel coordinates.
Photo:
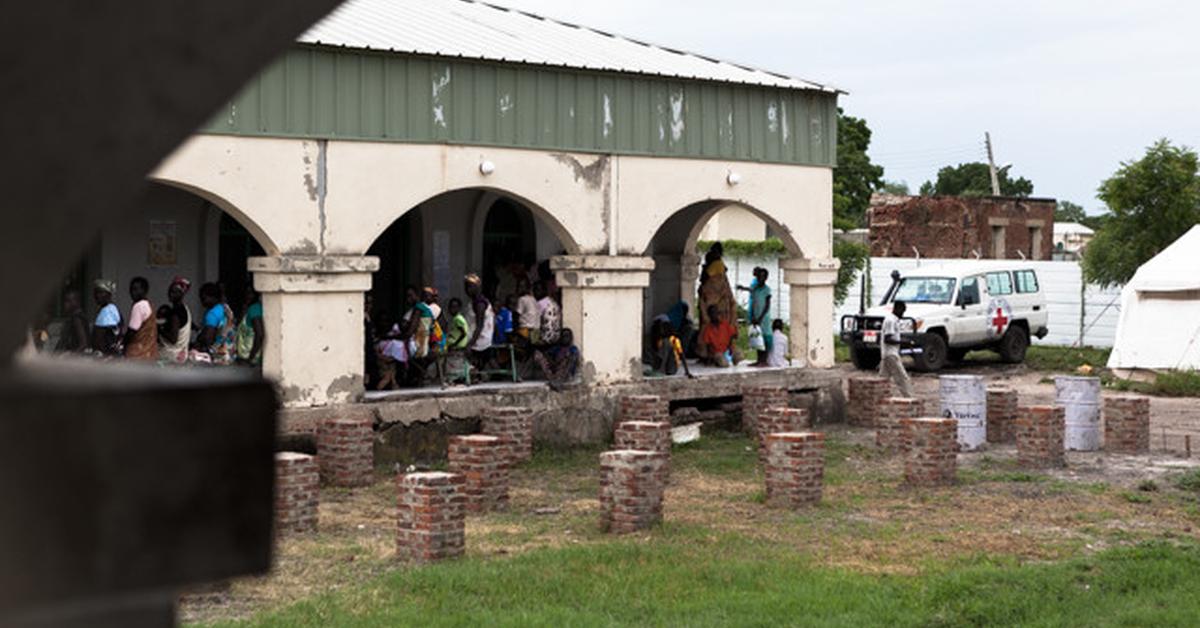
(734, 222)
(305, 199)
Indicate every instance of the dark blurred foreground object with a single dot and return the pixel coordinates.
(123, 484)
(119, 485)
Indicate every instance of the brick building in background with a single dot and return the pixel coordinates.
(988, 227)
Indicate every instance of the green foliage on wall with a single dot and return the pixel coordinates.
(771, 247)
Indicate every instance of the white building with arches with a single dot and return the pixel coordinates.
(413, 142)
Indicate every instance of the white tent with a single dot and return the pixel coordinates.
(1159, 326)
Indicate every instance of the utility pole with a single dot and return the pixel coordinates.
(987, 138)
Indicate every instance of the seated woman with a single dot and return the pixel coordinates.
(715, 346)
(391, 351)
(666, 351)
(683, 327)
(560, 361)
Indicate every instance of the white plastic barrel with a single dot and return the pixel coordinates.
(1080, 397)
(964, 399)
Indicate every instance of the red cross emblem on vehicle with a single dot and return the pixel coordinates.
(1000, 320)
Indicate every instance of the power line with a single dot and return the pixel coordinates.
(929, 151)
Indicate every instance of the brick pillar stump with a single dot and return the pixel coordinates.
(483, 462)
(889, 434)
(345, 452)
(1001, 414)
(430, 517)
(296, 492)
(930, 451)
(515, 426)
(650, 408)
(1039, 433)
(864, 396)
(795, 468)
(778, 419)
(1127, 424)
(631, 489)
(645, 436)
(756, 399)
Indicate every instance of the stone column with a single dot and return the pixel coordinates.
(756, 399)
(1127, 424)
(865, 395)
(889, 432)
(930, 451)
(345, 448)
(313, 318)
(1002, 405)
(642, 408)
(778, 420)
(602, 305)
(296, 493)
(811, 282)
(631, 489)
(430, 516)
(483, 462)
(1039, 432)
(514, 426)
(795, 468)
(689, 275)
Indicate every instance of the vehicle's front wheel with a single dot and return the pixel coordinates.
(933, 353)
(864, 358)
(1014, 344)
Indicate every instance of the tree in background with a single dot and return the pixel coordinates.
(853, 257)
(855, 177)
(1066, 211)
(894, 187)
(1151, 203)
(974, 179)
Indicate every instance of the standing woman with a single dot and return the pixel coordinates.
(141, 338)
(250, 332)
(714, 288)
(215, 343)
(480, 345)
(106, 330)
(175, 323)
(760, 306)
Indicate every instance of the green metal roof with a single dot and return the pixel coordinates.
(337, 93)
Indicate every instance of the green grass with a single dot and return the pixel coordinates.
(841, 351)
(690, 577)
(1189, 481)
(1065, 359)
(1166, 384)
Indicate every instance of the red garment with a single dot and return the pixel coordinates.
(718, 337)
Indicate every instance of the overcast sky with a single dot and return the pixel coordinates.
(1068, 88)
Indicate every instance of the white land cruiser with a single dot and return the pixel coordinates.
(953, 310)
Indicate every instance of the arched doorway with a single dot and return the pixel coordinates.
(486, 232)
(678, 259)
(166, 232)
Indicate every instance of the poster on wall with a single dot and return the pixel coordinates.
(161, 249)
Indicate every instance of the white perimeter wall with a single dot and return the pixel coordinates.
(1060, 280)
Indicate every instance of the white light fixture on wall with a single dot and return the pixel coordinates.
(733, 178)
(486, 167)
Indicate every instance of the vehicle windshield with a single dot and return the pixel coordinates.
(925, 290)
